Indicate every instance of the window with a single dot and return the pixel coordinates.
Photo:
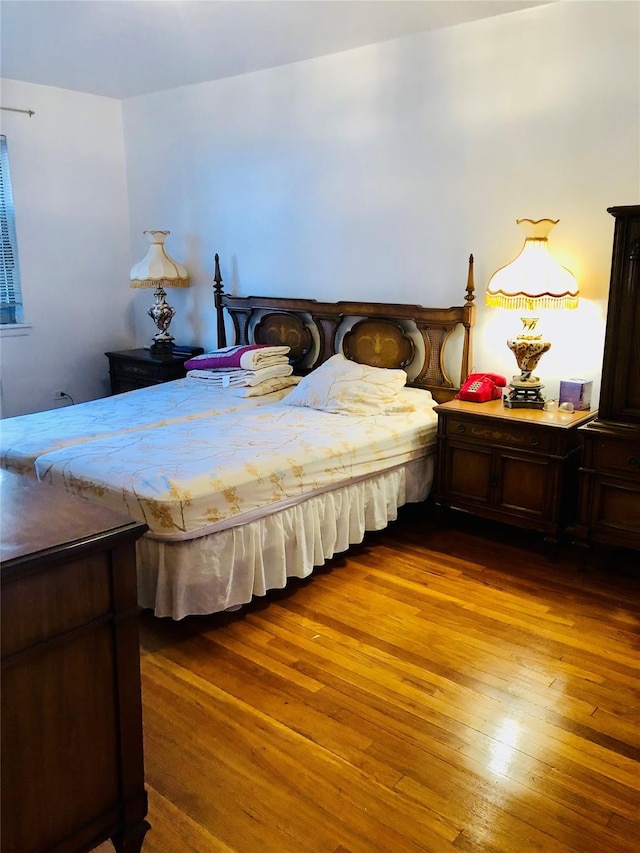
(10, 291)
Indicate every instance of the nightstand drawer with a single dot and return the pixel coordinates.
(139, 370)
(131, 369)
(619, 457)
(521, 437)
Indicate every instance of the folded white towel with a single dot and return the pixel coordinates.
(267, 386)
(238, 377)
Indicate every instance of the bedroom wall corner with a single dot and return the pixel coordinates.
(69, 188)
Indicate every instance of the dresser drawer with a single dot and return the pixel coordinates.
(618, 457)
(616, 506)
(66, 596)
(510, 435)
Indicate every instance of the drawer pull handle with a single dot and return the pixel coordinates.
(460, 427)
(534, 441)
(634, 462)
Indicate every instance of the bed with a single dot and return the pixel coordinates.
(239, 499)
(23, 439)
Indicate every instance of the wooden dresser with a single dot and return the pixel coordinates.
(609, 505)
(72, 756)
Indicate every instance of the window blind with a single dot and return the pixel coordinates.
(10, 290)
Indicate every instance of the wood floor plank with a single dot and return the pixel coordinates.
(406, 741)
(442, 687)
(260, 754)
(579, 709)
(176, 831)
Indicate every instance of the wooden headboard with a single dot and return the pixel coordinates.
(380, 334)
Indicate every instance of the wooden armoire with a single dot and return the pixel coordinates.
(609, 501)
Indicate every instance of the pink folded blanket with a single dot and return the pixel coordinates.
(250, 357)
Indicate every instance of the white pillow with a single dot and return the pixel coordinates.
(340, 386)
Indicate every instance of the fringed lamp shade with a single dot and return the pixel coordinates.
(158, 270)
(533, 281)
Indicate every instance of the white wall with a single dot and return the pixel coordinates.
(68, 175)
(372, 174)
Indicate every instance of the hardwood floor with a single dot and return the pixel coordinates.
(443, 687)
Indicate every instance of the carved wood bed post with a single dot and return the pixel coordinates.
(468, 322)
(217, 301)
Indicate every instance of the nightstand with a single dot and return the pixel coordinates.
(518, 466)
(137, 368)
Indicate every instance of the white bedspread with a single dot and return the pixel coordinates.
(195, 477)
(24, 438)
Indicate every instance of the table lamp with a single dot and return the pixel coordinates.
(533, 281)
(158, 270)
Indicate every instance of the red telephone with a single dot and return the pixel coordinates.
(480, 387)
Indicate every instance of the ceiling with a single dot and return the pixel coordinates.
(124, 48)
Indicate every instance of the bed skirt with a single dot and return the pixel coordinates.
(224, 570)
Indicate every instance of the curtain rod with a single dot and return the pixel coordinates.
(16, 110)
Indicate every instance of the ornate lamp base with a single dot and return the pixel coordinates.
(161, 313)
(161, 349)
(524, 393)
(525, 390)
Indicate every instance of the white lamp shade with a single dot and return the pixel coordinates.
(157, 267)
(534, 279)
